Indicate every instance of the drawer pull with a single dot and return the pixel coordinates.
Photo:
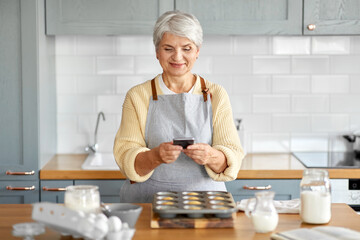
(8, 172)
(53, 189)
(257, 188)
(20, 188)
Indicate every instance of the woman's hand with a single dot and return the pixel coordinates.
(169, 152)
(204, 154)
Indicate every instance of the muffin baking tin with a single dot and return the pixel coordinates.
(197, 204)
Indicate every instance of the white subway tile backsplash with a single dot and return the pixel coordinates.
(330, 45)
(65, 45)
(147, 65)
(135, 45)
(95, 45)
(216, 45)
(355, 45)
(124, 83)
(345, 64)
(330, 123)
(291, 84)
(252, 45)
(232, 65)
(330, 84)
(75, 65)
(110, 103)
(203, 65)
(355, 84)
(271, 103)
(290, 123)
(240, 103)
(310, 103)
(271, 65)
(310, 65)
(115, 65)
(98, 84)
(308, 142)
(75, 104)
(270, 142)
(66, 84)
(291, 45)
(294, 93)
(345, 103)
(251, 84)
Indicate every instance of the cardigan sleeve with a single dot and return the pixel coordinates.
(225, 136)
(130, 140)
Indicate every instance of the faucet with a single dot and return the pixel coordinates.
(93, 148)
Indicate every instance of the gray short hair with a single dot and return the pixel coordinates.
(180, 24)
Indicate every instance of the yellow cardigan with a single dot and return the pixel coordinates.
(130, 138)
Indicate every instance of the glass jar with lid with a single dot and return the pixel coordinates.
(315, 196)
(85, 198)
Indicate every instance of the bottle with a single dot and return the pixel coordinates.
(315, 196)
(263, 215)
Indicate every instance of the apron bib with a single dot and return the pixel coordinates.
(171, 116)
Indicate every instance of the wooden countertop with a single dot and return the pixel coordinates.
(342, 216)
(254, 166)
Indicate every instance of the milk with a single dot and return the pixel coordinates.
(264, 222)
(315, 207)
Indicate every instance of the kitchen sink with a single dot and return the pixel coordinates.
(100, 161)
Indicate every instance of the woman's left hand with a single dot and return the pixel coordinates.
(204, 154)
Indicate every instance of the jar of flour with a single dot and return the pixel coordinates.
(315, 196)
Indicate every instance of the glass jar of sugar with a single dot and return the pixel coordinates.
(85, 198)
(315, 196)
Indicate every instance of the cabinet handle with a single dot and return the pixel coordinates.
(20, 188)
(53, 189)
(8, 172)
(257, 188)
(311, 27)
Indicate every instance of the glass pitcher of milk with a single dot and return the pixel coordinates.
(262, 212)
(315, 197)
(85, 198)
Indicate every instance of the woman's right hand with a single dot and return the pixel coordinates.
(168, 152)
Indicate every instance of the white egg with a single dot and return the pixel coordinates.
(125, 225)
(101, 229)
(101, 216)
(114, 224)
(86, 225)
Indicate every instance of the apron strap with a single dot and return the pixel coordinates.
(153, 88)
(204, 90)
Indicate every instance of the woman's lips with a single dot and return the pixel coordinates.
(177, 65)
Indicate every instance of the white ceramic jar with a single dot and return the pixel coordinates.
(315, 196)
(85, 198)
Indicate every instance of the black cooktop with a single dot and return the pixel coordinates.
(328, 159)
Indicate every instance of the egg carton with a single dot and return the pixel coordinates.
(194, 204)
(78, 224)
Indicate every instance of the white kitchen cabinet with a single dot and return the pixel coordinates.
(106, 17)
(285, 189)
(27, 98)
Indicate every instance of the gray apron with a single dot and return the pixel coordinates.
(171, 116)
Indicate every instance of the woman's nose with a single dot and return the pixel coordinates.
(177, 55)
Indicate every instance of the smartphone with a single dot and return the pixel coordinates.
(184, 141)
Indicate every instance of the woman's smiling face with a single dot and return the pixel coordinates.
(176, 55)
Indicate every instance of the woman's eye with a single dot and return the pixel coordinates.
(187, 49)
(168, 49)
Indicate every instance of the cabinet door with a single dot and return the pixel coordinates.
(109, 189)
(54, 190)
(19, 192)
(106, 17)
(18, 90)
(246, 16)
(335, 17)
(285, 189)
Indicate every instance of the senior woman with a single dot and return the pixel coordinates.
(176, 103)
